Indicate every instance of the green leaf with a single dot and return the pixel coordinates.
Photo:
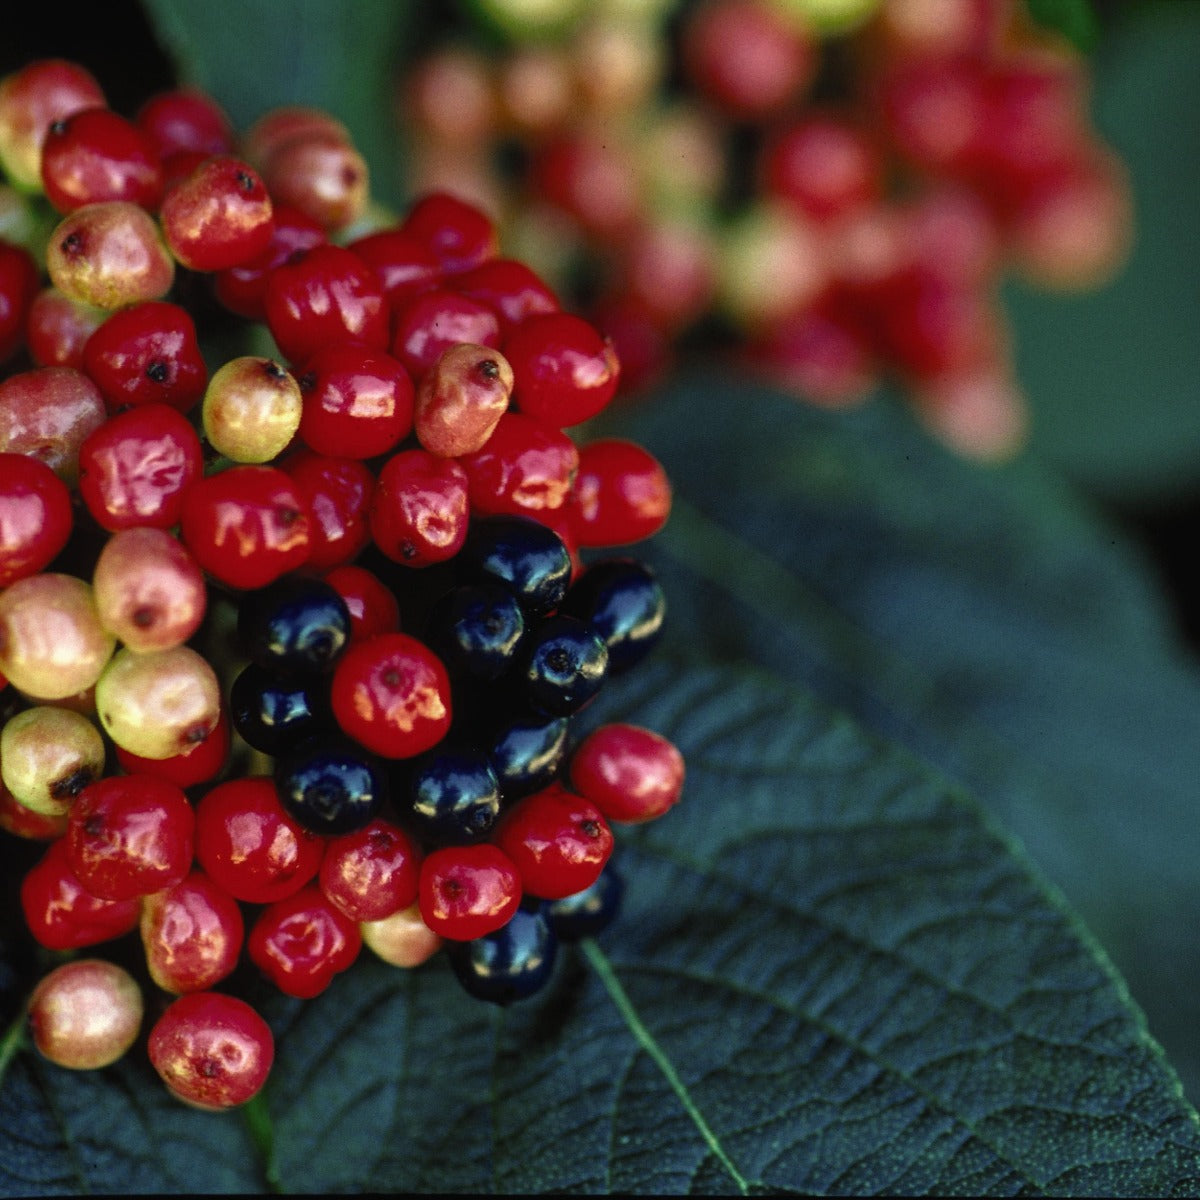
(319, 53)
(830, 975)
(1112, 374)
(1074, 19)
(983, 619)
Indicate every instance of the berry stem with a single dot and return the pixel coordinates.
(13, 1042)
(262, 1133)
(599, 963)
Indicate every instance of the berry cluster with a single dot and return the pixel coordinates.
(291, 648)
(832, 191)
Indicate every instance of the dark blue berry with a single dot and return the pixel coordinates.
(563, 665)
(274, 713)
(295, 625)
(330, 789)
(451, 796)
(527, 752)
(521, 553)
(475, 630)
(510, 964)
(625, 603)
(587, 913)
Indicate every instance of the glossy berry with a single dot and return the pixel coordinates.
(212, 1050)
(475, 630)
(57, 329)
(526, 753)
(147, 354)
(48, 413)
(85, 1014)
(325, 296)
(192, 934)
(401, 940)
(458, 233)
(329, 788)
(392, 695)
(48, 756)
(524, 468)
(564, 370)
(246, 526)
(96, 155)
(109, 254)
(369, 601)
(621, 494)
(509, 964)
(451, 796)
(219, 217)
(509, 287)
(629, 773)
(337, 493)
(358, 401)
(276, 713)
(19, 283)
(420, 511)
(295, 625)
(623, 601)
(199, 763)
(248, 844)
(371, 874)
(403, 265)
(62, 914)
(430, 323)
(589, 912)
(130, 835)
(300, 943)
(558, 841)
(562, 665)
(251, 410)
(35, 517)
(461, 399)
(467, 891)
(521, 554)
(323, 176)
(185, 119)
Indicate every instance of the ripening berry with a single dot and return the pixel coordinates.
(192, 934)
(52, 644)
(48, 756)
(251, 409)
(109, 254)
(403, 939)
(85, 1014)
(160, 703)
(461, 399)
(47, 414)
(321, 175)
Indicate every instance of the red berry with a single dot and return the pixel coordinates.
(249, 846)
(372, 873)
(212, 1050)
(186, 119)
(246, 526)
(242, 288)
(468, 891)
(192, 934)
(429, 324)
(58, 328)
(392, 695)
(458, 233)
(327, 295)
(403, 265)
(147, 354)
(130, 835)
(564, 370)
(621, 494)
(558, 841)
(358, 402)
(593, 180)
(96, 155)
(337, 493)
(509, 287)
(461, 399)
(629, 773)
(420, 511)
(62, 914)
(525, 468)
(301, 942)
(219, 217)
(47, 413)
(35, 517)
(135, 469)
(323, 176)
(370, 602)
(935, 112)
(85, 1014)
(20, 281)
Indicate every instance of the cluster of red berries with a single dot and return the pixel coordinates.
(208, 708)
(832, 191)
